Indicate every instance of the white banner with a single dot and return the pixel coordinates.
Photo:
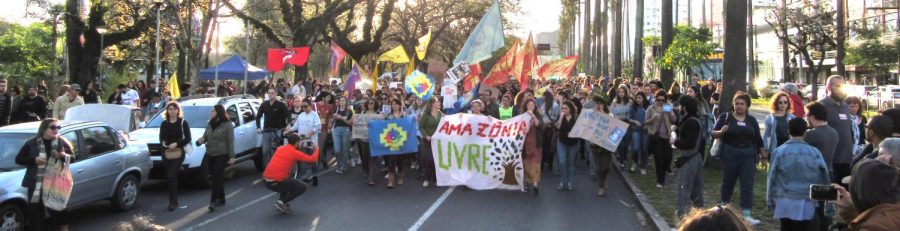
(479, 151)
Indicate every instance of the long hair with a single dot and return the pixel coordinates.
(643, 96)
(221, 116)
(524, 107)
(177, 106)
(375, 105)
(698, 94)
(45, 124)
(618, 99)
(427, 107)
(572, 109)
(548, 101)
(397, 101)
(774, 103)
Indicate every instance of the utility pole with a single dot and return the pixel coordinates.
(785, 63)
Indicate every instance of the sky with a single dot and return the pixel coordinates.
(537, 16)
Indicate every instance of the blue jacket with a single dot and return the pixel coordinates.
(770, 139)
(795, 165)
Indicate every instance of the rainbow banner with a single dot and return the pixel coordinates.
(420, 85)
(393, 137)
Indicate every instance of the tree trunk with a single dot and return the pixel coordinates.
(751, 56)
(839, 39)
(734, 65)
(785, 57)
(604, 43)
(638, 44)
(598, 38)
(666, 75)
(586, 37)
(617, 38)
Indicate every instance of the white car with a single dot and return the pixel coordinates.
(241, 109)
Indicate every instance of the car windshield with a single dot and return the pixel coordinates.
(10, 144)
(196, 116)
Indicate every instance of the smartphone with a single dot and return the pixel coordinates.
(667, 108)
(819, 192)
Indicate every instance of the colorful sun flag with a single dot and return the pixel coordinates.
(420, 85)
(393, 137)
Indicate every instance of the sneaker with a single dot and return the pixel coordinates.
(561, 187)
(282, 207)
(535, 191)
(570, 187)
(633, 167)
(659, 186)
(339, 172)
(601, 192)
(643, 171)
(425, 184)
(751, 220)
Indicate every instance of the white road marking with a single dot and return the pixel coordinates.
(229, 212)
(431, 209)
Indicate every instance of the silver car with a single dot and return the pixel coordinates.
(106, 167)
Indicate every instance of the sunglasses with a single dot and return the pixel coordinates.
(57, 127)
(783, 102)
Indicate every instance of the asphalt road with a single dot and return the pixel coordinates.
(346, 202)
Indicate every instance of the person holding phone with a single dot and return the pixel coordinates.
(658, 122)
(794, 166)
(340, 133)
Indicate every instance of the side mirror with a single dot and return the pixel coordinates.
(142, 124)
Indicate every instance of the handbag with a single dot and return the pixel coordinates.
(716, 148)
(174, 154)
(57, 184)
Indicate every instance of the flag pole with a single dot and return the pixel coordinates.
(216, 81)
(247, 51)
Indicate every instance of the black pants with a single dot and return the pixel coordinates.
(427, 161)
(217, 166)
(547, 142)
(792, 225)
(287, 189)
(662, 157)
(738, 163)
(35, 214)
(172, 167)
(364, 155)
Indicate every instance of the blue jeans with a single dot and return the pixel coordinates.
(738, 163)
(640, 147)
(566, 156)
(622, 149)
(270, 141)
(590, 154)
(341, 136)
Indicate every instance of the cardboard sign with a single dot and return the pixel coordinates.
(458, 72)
(599, 128)
(361, 125)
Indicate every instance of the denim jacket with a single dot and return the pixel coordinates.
(770, 138)
(794, 166)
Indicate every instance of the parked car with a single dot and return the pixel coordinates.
(106, 167)
(885, 97)
(241, 109)
(767, 88)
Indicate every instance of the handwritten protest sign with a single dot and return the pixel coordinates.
(599, 128)
(479, 151)
(361, 125)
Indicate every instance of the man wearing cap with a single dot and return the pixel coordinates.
(69, 100)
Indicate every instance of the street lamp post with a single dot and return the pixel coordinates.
(100, 30)
(158, 4)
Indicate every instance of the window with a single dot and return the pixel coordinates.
(232, 114)
(247, 113)
(97, 140)
(72, 137)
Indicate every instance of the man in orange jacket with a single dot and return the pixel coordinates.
(277, 174)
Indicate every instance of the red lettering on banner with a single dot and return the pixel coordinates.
(481, 129)
(467, 130)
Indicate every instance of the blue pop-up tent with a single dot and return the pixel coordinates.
(233, 68)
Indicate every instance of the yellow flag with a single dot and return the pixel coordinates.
(173, 86)
(410, 68)
(422, 48)
(396, 55)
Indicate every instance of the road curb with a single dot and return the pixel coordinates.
(658, 221)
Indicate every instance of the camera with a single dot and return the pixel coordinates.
(823, 193)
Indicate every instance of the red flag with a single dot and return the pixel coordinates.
(504, 67)
(561, 67)
(473, 77)
(529, 62)
(337, 54)
(278, 58)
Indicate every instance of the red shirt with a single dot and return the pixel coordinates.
(284, 160)
(325, 111)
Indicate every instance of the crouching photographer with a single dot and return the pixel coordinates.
(277, 174)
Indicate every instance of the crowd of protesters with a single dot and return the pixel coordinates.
(828, 141)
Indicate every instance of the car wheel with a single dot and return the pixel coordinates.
(258, 161)
(126, 193)
(12, 217)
